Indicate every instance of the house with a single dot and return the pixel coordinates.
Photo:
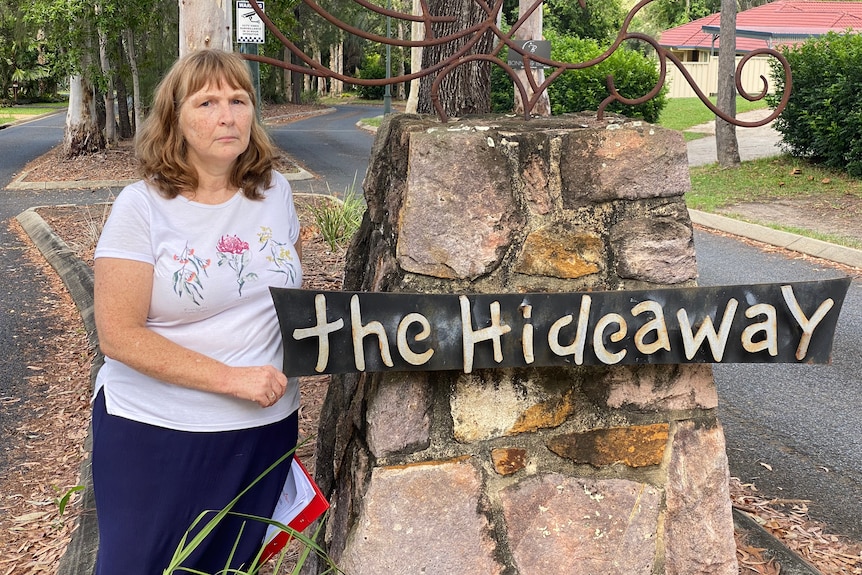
(772, 25)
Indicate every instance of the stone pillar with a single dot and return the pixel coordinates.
(592, 470)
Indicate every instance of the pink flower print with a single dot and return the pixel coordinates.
(236, 254)
(232, 245)
(187, 279)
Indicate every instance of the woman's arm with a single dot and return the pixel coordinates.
(122, 292)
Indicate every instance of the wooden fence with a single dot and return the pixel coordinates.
(705, 75)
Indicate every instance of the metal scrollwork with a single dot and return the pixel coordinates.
(470, 37)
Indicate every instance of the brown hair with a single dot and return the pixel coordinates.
(161, 148)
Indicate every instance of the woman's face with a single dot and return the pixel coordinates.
(216, 124)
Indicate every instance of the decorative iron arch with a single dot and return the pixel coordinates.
(472, 34)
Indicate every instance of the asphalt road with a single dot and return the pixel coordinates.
(793, 430)
(25, 317)
(331, 147)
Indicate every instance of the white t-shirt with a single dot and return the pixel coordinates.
(213, 266)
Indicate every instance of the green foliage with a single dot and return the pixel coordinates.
(338, 219)
(600, 21)
(502, 91)
(188, 545)
(822, 121)
(63, 500)
(664, 14)
(373, 67)
(310, 97)
(578, 90)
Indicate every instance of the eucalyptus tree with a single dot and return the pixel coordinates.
(466, 88)
(205, 24)
(70, 42)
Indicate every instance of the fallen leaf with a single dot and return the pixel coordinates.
(766, 465)
(30, 517)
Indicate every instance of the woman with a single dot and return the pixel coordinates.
(191, 405)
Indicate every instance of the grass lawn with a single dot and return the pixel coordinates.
(683, 113)
(766, 179)
(10, 114)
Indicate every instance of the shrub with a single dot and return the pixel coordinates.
(338, 219)
(310, 97)
(579, 90)
(822, 121)
(373, 68)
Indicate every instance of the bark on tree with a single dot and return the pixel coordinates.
(136, 79)
(124, 125)
(726, 144)
(402, 86)
(467, 88)
(531, 30)
(417, 33)
(336, 64)
(82, 135)
(205, 24)
(108, 73)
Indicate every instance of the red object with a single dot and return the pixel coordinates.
(314, 508)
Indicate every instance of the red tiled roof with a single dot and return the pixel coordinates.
(782, 18)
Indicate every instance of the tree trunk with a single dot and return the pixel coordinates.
(108, 73)
(417, 33)
(402, 86)
(205, 24)
(336, 64)
(296, 78)
(136, 79)
(467, 88)
(82, 135)
(320, 81)
(726, 144)
(531, 30)
(123, 123)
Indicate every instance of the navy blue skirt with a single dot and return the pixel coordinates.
(151, 483)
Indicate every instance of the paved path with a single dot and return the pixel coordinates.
(761, 142)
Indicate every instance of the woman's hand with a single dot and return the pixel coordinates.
(264, 384)
(123, 289)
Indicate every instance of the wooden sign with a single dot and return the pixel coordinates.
(339, 332)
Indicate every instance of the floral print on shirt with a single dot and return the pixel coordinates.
(187, 279)
(280, 254)
(236, 254)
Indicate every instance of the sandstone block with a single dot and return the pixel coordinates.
(632, 161)
(657, 387)
(561, 251)
(699, 523)
(635, 446)
(456, 222)
(561, 524)
(657, 250)
(399, 413)
(509, 460)
(422, 518)
(492, 403)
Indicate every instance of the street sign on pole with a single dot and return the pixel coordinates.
(249, 27)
